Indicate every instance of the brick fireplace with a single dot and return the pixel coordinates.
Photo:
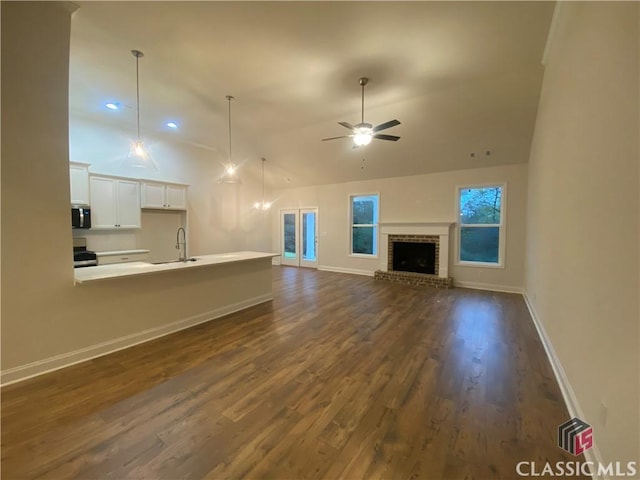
(415, 253)
(428, 258)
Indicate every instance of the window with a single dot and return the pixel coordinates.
(364, 224)
(481, 232)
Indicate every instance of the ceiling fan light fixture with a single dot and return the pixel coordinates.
(363, 133)
(362, 136)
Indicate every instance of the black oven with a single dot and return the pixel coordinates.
(81, 256)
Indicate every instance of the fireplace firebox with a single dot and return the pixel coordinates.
(414, 257)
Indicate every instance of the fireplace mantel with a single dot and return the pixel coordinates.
(415, 228)
(440, 229)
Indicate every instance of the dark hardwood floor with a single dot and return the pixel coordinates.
(340, 376)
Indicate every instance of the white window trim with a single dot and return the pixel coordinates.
(502, 238)
(376, 225)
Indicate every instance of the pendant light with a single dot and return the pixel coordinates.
(138, 153)
(262, 205)
(230, 174)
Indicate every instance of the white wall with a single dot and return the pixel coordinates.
(582, 234)
(420, 198)
(158, 234)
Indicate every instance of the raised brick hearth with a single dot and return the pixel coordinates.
(436, 233)
(410, 278)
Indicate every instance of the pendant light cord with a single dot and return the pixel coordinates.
(138, 95)
(263, 160)
(229, 97)
(362, 102)
(138, 54)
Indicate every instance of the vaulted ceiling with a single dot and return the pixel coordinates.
(462, 77)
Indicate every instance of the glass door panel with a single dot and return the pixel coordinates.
(309, 237)
(289, 231)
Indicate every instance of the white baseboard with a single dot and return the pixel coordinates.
(354, 271)
(487, 286)
(275, 261)
(570, 399)
(40, 367)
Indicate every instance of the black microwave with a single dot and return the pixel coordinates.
(80, 217)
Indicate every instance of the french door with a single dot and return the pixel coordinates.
(299, 237)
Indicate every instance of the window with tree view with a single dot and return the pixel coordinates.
(481, 224)
(364, 224)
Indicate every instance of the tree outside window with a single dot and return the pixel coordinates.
(364, 224)
(290, 235)
(481, 224)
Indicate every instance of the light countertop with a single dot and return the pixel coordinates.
(103, 272)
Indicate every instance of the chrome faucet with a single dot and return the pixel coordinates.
(180, 245)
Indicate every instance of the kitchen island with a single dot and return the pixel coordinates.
(120, 270)
(112, 307)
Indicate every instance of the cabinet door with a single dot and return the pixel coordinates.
(79, 180)
(128, 204)
(103, 203)
(132, 257)
(153, 195)
(176, 196)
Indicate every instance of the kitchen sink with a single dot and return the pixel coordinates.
(192, 259)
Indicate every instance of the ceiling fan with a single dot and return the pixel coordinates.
(364, 132)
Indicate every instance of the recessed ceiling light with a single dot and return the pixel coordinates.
(112, 106)
(172, 125)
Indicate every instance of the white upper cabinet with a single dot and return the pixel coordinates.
(176, 196)
(167, 196)
(153, 195)
(128, 198)
(115, 203)
(79, 180)
(103, 203)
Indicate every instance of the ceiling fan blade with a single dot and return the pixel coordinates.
(381, 136)
(334, 138)
(347, 124)
(385, 125)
